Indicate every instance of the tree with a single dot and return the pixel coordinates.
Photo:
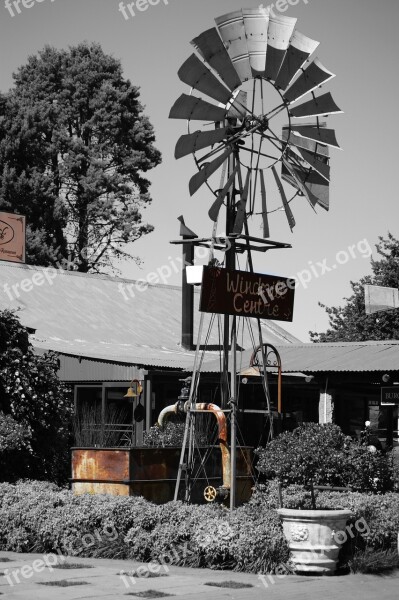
(350, 323)
(74, 143)
(35, 409)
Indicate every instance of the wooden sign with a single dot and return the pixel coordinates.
(245, 294)
(12, 237)
(390, 396)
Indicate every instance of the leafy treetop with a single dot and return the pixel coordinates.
(350, 323)
(74, 144)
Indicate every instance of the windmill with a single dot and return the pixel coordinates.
(257, 132)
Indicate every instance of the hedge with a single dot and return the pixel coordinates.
(40, 517)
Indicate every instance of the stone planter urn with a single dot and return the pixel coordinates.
(314, 537)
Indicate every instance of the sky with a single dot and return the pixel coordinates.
(358, 43)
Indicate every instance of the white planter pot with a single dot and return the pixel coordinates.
(312, 538)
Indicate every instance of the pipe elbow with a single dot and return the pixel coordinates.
(165, 412)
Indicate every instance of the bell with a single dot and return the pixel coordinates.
(133, 393)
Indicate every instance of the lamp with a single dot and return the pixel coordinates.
(386, 378)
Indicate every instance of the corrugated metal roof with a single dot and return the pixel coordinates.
(84, 370)
(107, 318)
(334, 357)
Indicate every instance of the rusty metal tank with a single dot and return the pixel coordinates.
(151, 472)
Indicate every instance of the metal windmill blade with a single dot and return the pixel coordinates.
(217, 205)
(211, 48)
(195, 73)
(317, 107)
(298, 52)
(279, 34)
(317, 133)
(310, 79)
(193, 108)
(208, 169)
(288, 211)
(231, 28)
(241, 208)
(188, 144)
(256, 23)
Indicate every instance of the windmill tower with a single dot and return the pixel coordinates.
(257, 131)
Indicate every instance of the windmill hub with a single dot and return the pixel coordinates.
(261, 123)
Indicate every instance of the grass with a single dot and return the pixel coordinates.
(374, 561)
(72, 566)
(234, 585)
(147, 575)
(63, 583)
(149, 594)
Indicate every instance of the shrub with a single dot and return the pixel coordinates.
(35, 408)
(316, 454)
(170, 435)
(36, 517)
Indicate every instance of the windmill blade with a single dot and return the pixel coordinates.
(295, 180)
(323, 105)
(288, 211)
(310, 79)
(319, 134)
(256, 23)
(318, 164)
(211, 48)
(320, 188)
(217, 205)
(314, 184)
(193, 108)
(279, 34)
(207, 170)
(299, 50)
(232, 31)
(301, 142)
(266, 229)
(238, 108)
(188, 144)
(195, 73)
(241, 208)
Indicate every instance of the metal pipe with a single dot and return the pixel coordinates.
(222, 431)
(224, 446)
(173, 408)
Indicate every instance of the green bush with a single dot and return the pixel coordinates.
(35, 409)
(170, 435)
(316, 454)
(39, 517)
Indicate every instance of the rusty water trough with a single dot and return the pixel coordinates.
(151, 472)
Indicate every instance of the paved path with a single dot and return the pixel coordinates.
(103, 580)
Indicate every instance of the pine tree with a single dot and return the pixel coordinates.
(74, 144)
(350, 323)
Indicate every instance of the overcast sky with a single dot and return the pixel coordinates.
(359, 43)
